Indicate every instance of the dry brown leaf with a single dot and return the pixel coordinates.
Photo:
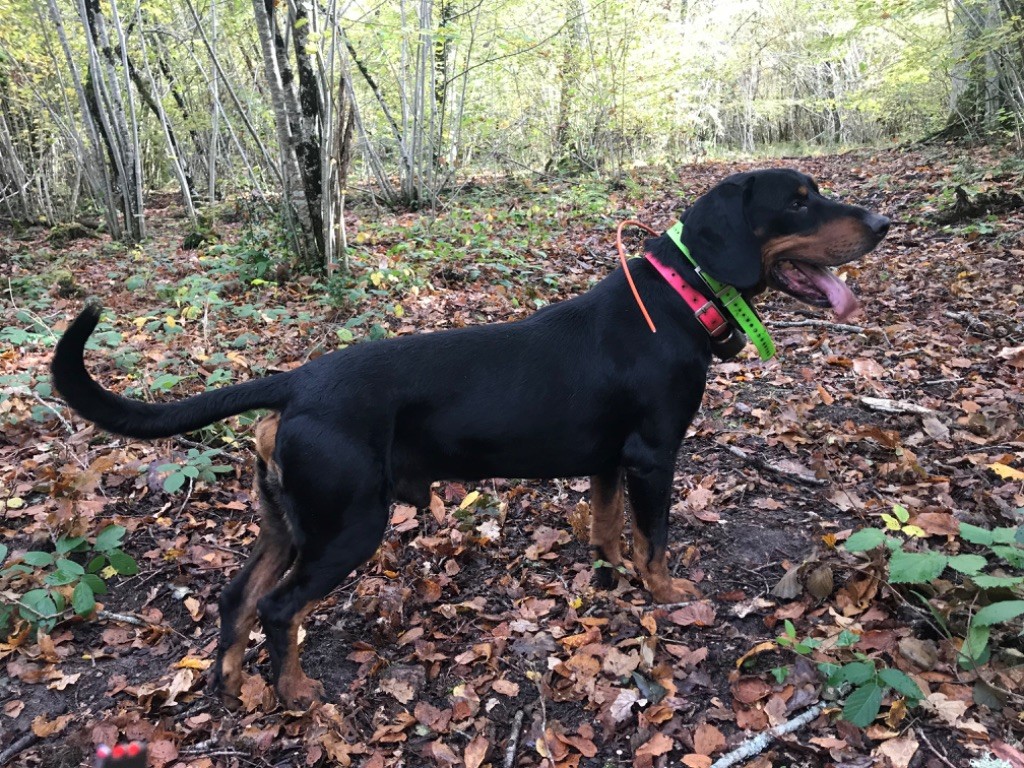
(748, 690)
(583, 743)
(619, 664)
(789, 585)
(696, 761)
(255, 694)
(441, 753)
(707, 739)
(819, 582)
(476, 751)
(924, 654)
(505, 687)
(658, 744)
(161, 752)
(437, 508)
(44, 728)
(434, 718)
(698, 614)
(899, 751)
(750, 718)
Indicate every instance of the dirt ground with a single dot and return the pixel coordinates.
(475, 636)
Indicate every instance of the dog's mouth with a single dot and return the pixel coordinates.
(814, 284)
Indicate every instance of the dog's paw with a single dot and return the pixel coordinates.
(227, 686)
(299, 692)
(673, 590)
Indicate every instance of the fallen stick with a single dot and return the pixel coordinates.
(125, 618)
(819, 324)
(759, 743)
(513, 740)
(23, 743)
(762, 464)
(885, 405)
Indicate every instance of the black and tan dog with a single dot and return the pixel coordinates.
(582, 387)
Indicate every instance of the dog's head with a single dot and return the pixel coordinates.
(773, 228)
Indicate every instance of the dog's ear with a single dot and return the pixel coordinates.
(718, 233)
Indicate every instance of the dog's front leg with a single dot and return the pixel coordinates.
(649, 472)
(607, 519)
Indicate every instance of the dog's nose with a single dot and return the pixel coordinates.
(879, 224)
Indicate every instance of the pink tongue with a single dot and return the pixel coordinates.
(843, 302)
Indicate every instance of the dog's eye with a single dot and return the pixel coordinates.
(799, 204)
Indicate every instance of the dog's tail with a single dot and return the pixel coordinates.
(134, 418)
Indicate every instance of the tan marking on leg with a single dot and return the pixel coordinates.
(295, 689)
(653, 569)
(266, 437)
(271, 556)
(607, 518)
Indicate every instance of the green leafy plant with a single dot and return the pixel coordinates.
(989, 578)
(53, 585)
(852, 673)
(198, 465)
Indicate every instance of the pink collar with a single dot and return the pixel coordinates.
(705, 309)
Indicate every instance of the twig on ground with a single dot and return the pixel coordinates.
(934, 751)
(513, 740)
(125, 618)
(199, 748)
(759, 743)
(762, 464)
(23, 743)
(885, 405)
(819, 324)
(673, 606)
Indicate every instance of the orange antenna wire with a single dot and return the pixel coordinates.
(625, 266)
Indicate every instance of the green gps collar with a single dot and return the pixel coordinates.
(734, 303)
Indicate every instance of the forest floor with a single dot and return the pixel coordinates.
(474, 636)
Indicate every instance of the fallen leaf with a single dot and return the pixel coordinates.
(899, 751)
(505, 687)
(1004, 751)
(924, 654)
(437, 508)
(657, 745)
(191, 662)
(622, 707)
(476, 751)
(748, 690)
(434, 718)
(707, 739)
(45, 728)
(948, 710)
(161, 752)
(819, 582)
(619, 664)
(1005, 471)
(699, 614)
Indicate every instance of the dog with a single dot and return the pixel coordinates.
(581, 387)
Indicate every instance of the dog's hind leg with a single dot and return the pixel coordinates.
(271, 556)
(338, 510)
(607, 518)
(315, 573)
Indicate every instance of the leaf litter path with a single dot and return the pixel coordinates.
(474, 636)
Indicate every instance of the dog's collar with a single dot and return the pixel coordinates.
(737, 307)
(704, 308)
